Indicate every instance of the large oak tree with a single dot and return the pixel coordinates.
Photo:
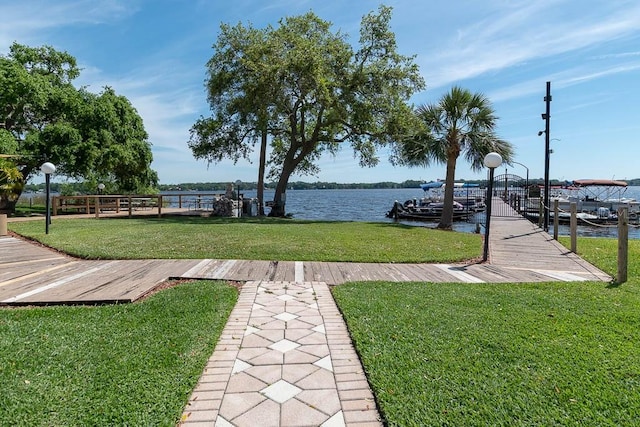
(91, 137)
(309, 90)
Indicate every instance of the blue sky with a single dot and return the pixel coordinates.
(154, 53)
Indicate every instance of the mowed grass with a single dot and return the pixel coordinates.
(604, 254)
(252, 238)
(133, 364)
(517, 354)
(543, 354)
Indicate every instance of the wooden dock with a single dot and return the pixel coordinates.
(34, 275)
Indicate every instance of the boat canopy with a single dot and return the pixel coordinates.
(431, 184)
(437, 184)
(599, 182)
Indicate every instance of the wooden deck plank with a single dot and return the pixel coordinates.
(126, 281)
(15, 271)
(515, 241)
(133, 279)
(343, 272)
(519, 252)
(319, 272)
(36, 280)
(432, 273)
(411, 272)
(492, 274)
(209, 269)
(284, 271)
(387, 272)
(98, 273)
(14, 250)
(141, 280)
(198, 269)
(255, 270)
(397, 272)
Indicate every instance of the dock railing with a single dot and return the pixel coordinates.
(99, 203)
(104, 203)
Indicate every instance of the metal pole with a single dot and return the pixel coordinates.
(48, 204)
(547, 119)
(485, 253)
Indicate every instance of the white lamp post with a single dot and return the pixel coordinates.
(492, 161)
(47, 168)
(100, 188)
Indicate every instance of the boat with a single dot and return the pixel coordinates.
(468, 194)
(599, 198)
(425, 210)
(583, 218)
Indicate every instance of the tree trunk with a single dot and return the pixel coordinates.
(13, 188)
(263, 161)
(446, 220)
(9, 199)
(279, 198)
(7, 206)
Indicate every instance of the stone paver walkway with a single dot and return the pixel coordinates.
(284, 359)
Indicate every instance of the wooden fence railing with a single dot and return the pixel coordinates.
(102, 203)
(96, 203)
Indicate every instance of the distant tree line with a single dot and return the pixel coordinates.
(70, 188)
(85, 188)
(296, 185)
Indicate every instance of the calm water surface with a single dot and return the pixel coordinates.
(372, 205)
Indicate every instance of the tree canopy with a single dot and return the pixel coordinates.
(309, 90)
(460, 123)
(43, 117)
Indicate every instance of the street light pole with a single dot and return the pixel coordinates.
(47, 168)
(492, 161)
(547, 118)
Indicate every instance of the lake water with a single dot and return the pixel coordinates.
(372, 205)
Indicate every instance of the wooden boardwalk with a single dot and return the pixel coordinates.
(518, 245)
(31, 274)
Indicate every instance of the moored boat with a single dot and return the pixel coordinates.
(583, 218)
(468, 194)
(426, 211)
(599, 198)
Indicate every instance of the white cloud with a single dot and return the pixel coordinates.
(25, 21)
(569, 77)
(509, 37)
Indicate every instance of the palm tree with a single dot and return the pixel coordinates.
(461, 123)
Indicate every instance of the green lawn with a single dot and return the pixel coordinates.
(563, 354)
(543, 354)
(252, 238)
(132, 364)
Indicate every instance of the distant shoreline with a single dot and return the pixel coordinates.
(301, 185)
